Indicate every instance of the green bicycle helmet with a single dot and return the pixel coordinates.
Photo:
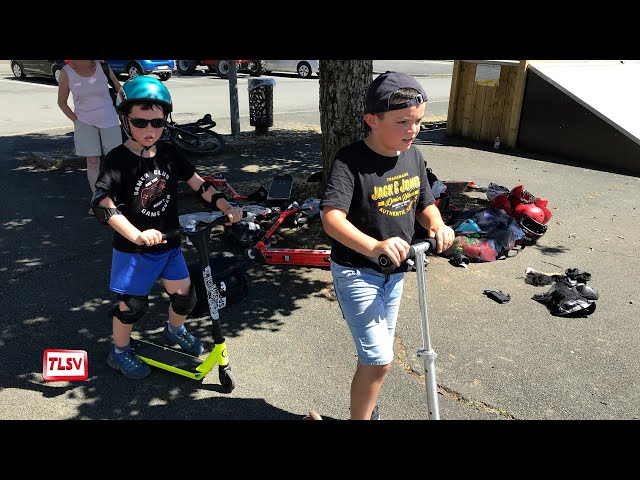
(144, 87)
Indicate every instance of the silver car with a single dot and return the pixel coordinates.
(37, 68)
(304, 68)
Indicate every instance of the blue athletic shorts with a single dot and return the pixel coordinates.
(136, 273)
(370, 302)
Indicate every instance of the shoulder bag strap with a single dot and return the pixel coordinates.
(105, 69)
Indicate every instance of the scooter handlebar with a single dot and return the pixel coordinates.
(221, 220)
(387, 265)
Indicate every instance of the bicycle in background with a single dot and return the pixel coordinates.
(196, 137)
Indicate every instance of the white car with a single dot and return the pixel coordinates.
(304, 68)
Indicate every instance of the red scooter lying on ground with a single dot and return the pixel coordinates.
(288, 256)
(260, 195)
(218, 179)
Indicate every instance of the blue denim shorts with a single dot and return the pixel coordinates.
(136, 273)
(369, 301)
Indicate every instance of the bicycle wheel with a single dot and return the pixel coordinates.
(194, 139)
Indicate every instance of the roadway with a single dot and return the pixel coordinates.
(30, 105)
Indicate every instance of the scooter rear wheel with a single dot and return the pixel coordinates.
(252, 254)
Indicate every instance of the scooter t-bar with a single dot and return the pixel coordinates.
(417, 253)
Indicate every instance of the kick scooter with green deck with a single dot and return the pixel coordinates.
(177, 361)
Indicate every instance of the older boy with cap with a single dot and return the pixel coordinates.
(377, 188)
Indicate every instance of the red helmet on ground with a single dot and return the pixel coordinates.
(533, 211)
(520, 195)
(547, 213)
(541, 203)
(531, 228)
(501, 202)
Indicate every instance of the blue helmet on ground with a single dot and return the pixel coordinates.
(144, 87)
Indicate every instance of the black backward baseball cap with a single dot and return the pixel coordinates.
(385, 85)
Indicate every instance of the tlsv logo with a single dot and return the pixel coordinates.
(64, 365)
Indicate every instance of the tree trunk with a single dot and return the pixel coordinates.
(343, 86)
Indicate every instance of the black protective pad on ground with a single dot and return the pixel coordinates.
(497, 295)
(280, 189)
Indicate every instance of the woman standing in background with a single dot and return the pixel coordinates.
(96, 127)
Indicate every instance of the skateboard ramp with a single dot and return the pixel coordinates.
(585, 111)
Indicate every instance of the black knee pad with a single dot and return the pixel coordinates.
(184, 304)
(138, 306)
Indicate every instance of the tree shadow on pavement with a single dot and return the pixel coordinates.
(54, 280)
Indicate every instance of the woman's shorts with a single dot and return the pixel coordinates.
(136, 273)
(92, 141)
(370, 302)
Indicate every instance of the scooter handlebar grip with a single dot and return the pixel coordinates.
(170, 235)
(387, 265)
(384, 261)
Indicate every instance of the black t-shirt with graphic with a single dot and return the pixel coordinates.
(380, 194)
(146, 191)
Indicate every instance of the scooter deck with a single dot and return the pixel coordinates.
(298, 256)
(167, 358)
(280, 189)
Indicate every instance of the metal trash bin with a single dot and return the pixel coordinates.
(261, 103)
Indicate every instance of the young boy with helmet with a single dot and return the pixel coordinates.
(376, 189)
(136, 194)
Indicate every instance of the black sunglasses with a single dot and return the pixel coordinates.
(143, 122)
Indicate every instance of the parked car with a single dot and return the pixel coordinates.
(37, 68)
(219, 67)
(163, 68)
(304, 68)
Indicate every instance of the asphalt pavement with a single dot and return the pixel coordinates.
(288, 345)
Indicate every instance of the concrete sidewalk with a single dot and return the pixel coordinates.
(288, 346)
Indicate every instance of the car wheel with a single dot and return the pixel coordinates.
(304, 70)
(256, 67)
(134, 70)
(17, 70)
(56, 72)
(186, 67)
(164, 76)
(223, 69)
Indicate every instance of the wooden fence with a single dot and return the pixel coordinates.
(486, 100)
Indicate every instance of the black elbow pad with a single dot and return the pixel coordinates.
(102, 214)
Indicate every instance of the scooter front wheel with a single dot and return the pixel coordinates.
(227, 378)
